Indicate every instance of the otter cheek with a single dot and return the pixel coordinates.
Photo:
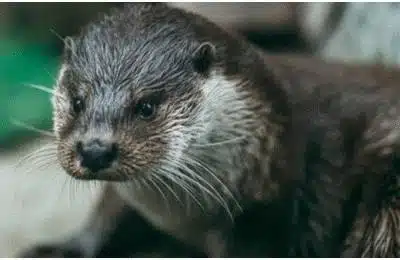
(65, 159)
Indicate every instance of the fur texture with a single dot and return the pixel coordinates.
(240, 141)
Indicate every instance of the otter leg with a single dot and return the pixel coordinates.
(376, 236)
(376, 229)
(87, 242)
(115, 230)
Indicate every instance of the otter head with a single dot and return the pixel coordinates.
(128, 95)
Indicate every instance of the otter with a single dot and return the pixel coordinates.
(222, 147)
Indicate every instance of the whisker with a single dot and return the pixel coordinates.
(184, 186)
(41, 165)
(40, 87)
(175, 181)
(201, 164)
(62, 190)
(212, 192)
(44, 159)
(71, 188)
(168, 187)
(64, 42)
(145, 183)
(229, 141)
(202, 188)
(135, 181)
(32, 128)
(161, 193)
(56, 34)
(33, 157)
(39, 152)
(50, 74)
(42, 150)
(197, 184)
(44, 89)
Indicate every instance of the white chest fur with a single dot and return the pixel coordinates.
(166, 210)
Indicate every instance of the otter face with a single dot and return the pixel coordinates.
(123, 105)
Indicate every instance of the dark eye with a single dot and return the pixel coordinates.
(145, 109)
(77, 105)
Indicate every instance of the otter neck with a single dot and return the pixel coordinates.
(241, 134)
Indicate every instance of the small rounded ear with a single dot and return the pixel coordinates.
(69, 48)
(203, 57)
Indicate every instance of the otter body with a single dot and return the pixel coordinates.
(231, 151)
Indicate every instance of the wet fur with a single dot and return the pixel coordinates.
(311, 152)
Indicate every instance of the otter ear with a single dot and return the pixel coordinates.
(69, 48)
(203, 57)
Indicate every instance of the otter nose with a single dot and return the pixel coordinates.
(96, 154)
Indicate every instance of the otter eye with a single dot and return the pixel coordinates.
(145, 109)
(77, 105)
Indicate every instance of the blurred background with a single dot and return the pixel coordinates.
(38, 202)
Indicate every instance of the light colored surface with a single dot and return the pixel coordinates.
(313, 20)
(240, 15)
(40, 205)
(368, 32)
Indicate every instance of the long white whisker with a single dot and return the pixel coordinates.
(44, 149)
(229, 141)
(201, 164)
(211, 191)
(168, 187)
(32, 128)
(182, 183)
(152, 181)
(40, 87)
(45, 163)
(207, 187)
(145, 183)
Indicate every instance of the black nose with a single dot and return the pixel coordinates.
(96, 154)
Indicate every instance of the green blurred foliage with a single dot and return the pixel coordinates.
(22, 64)
(30, 44)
